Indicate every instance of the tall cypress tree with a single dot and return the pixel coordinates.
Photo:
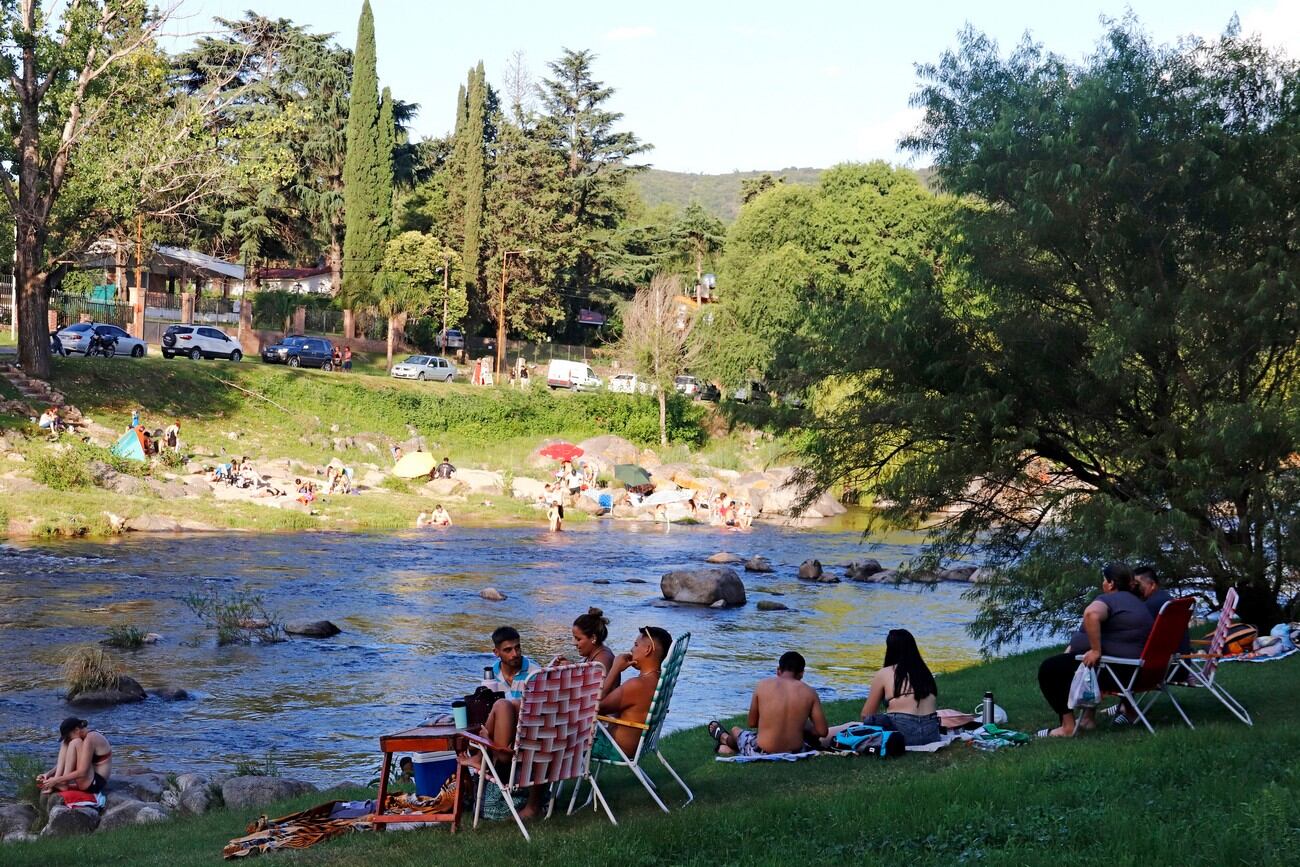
(387, 148)
(367, 172)
(475, 168)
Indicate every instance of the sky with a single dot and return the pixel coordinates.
(727, 86)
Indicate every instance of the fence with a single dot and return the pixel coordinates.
(72, 307)
(163, 300)
(325, 320)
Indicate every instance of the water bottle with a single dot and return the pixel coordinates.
(987, 716)
(488, 679)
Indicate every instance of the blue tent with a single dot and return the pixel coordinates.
(130, 446)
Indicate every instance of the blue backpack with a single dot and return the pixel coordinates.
(867, 740)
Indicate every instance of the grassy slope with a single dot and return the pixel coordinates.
(1217, 795)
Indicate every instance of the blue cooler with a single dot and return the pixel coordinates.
(431, 771)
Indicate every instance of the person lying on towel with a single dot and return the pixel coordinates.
(784, 714)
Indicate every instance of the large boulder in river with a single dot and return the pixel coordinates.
(961, 574)
(703, 587)
(863, 571)
(724, 557)
(811, 570)
(241, 793)
(758, 564)
(312, 628)
(128, 690)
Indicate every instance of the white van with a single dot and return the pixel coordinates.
(573, 375)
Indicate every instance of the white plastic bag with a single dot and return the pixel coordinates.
(1084, 689)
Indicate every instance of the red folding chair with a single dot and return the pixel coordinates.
(1150, 672)
(1201, 668)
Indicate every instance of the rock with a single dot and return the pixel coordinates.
(590, 506)
(492, 594)
(446, 488)
(170, 693)
(196, 800)
(721, 603)
(769, 605)
(312, 628)
(724, 557)
(981, 576)
(244, 792)
(609, 450)
(482, 481)
(961, 574)
(524, 488)
(150, 814)
(16, 457)
(121, 815)
(810, 570)
(886, 576)
(703, 587)
(601, 581)
(167, 490)
(146, 786)
(758, 564)
(863, 571)
(185, 782)
(116, 523)
(69, 823)
(637, 581)
(20, 837)
(152, 524)
(624, 510)
(16, 817)
(128, 691)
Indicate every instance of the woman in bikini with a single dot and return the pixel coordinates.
(589, 633)
(906, 689)
(84, 763)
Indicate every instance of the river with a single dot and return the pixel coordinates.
(415, 630)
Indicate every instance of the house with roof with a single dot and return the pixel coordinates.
(300, 281)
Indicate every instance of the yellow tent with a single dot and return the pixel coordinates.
(414, 465)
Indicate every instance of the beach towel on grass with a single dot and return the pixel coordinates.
(780, 757)
(1268, 654)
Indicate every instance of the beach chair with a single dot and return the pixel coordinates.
(556, 728)
(1151, 670)
(1200, 668)
(608, 753)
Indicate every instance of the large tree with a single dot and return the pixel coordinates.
(1105, 363)
(409, 283)
(656, 341)
(473, 142)
(367, 170)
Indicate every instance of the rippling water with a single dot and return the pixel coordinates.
(415, 631)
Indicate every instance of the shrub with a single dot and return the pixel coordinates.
(18, 777)
(90, 669)
(239, 618)
(62, 470)
(396, 485)
(267, 767)
(125, 637)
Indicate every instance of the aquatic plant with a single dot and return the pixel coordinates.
(18, 777)
(266, 767)
(90, 669)
(240, 617)
(125, 637)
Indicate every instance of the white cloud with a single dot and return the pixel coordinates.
(833, 71)
(630, 33)
(878, 139)
(1278, 24)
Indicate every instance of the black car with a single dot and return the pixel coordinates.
(278, 353)
(708, 391)
(311, 352)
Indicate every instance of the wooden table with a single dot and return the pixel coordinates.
(424, 739)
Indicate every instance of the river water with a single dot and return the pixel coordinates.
(415, 630)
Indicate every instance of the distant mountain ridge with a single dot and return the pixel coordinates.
(717, 194)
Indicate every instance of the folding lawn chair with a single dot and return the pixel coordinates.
(1151, 670)
(557, 724)
(608, 752)
(1201, 668)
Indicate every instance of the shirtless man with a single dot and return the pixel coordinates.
(783, 709)
(630, 701)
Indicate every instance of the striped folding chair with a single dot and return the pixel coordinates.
(1198, 670)
(607, 752)
(557, 724)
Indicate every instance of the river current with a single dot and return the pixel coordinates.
(415, 630)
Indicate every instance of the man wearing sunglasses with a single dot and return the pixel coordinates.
(630, 700)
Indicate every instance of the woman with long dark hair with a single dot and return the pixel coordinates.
(903, 695)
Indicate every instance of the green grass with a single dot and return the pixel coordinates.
(1222, 794)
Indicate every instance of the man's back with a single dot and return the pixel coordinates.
(784, 704)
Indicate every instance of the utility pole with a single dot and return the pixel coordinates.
(501, 310)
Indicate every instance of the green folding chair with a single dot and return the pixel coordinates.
(607, 752)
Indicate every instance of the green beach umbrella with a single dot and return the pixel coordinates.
(631, 475)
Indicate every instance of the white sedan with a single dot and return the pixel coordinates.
(75, 339)
(424, 367)
(629, 383)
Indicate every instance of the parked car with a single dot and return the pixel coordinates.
(629, 383)
(686, 384)
(424, 367)
(311, 352)
(76, 339)
(278, 353)
(708, 391)
(751, 392)
(199, 341)
(573, 375)
(455, 339)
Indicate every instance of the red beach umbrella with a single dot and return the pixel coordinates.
(561, 451)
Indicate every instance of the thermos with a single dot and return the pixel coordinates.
(488, 680)
(987, 715)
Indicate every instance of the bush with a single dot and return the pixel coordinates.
(239, 618)
(125, 637)
(267, 767)
(18, 778)
(396, 485)
(90, 669)
(61, 470)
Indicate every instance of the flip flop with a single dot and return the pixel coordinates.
(1043, 733)
(716, 731)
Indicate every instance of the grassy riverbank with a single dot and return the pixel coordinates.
(298, 420)
(1222, 794)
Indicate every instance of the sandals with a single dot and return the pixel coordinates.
(717, 732)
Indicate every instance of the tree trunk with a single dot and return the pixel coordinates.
(392, 327)
(663, 416)
(335, 259)
(1258, 606)
(33, 310)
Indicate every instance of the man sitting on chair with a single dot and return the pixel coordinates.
(511, 670)
(784, 713)
(630, 701)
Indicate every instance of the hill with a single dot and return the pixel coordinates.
(718, 194)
